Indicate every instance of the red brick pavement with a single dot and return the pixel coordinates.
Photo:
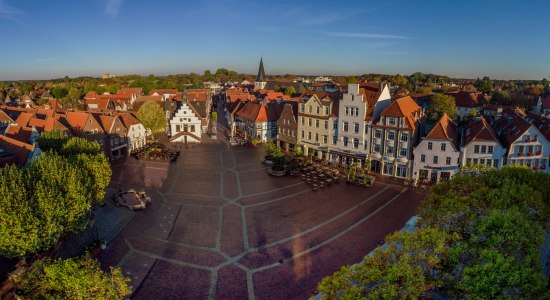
(193, 242)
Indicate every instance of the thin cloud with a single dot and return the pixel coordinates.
(368, 35)
(112, 7)
(9, 12)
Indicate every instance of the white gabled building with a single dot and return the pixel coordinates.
(525, 144)
(135, 131)
(437, 156)
(358, 107)
(482, 145)
(185, 125)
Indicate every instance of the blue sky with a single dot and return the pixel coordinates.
(47, 39)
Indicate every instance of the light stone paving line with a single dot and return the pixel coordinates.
(188, 196)
(333, 238)
(124, 258)
(178, 244)
(250, 284)
(219, 228)
(192, 204)
(213, 284)
(277, 199)
(245, 229)
(173, 261)
(338, 216)
(274, 190)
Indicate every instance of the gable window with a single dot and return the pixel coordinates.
(430, 145)
(490, 149)
(483, 149)
(309, 109)
(318, 110)
(520, 149)
(448, 160)
(423, 158)
(327, 110)
(391, 121)
(443, 146)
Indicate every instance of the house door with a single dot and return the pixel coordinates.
(433, 178)
(423, 175)
(375, 166)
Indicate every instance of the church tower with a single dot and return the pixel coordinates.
(260, 79)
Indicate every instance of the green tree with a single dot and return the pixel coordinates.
(407, 268)
(52, 140)
(424, 90)
(77, 145)
(289, 91)
(485, 85)
(73, 278)
(19, 227)
(399, 80)
(276, 88)
(501, 98)
(59, 92)
(26, 87)
(351, 79)
(439, 105)
(152, 116)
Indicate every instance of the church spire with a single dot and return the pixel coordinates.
(261, 72)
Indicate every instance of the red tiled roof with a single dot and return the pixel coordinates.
(14, 151)
(129, 90)
(254, 111)
(160, 92)
(403, 107)
(479, 129)
(19, 133)
(467, 99)
(127, 119)
(445, 129)
(512, 126)
(100, 103)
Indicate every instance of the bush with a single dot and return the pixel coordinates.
(73, 278)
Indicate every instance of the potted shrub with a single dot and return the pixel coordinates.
(520, 153)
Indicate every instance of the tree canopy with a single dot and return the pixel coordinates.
(501, 98)
(151, 115)
(73, 278)
(52, 197)
(479, 237)
(440, 105)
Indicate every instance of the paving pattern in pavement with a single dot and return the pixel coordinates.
(220, 228)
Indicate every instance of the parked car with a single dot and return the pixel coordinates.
(132, 199)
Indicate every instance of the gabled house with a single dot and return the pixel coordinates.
(395, 133)
(481, 144)
(185, 125)
(361, 104)
(525, 144)
(136, 134)
(466, 102)
(317, 124)
(116, 144)
(83, 124)
(258, 120)
(287, 127)
(437, 156)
